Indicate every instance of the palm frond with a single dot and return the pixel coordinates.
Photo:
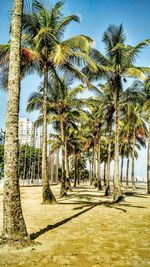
(61, 26)
(135, 50)
(81, 42)
(138, 73)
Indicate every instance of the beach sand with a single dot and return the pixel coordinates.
(83, 230)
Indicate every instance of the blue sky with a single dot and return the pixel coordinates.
(96, 16)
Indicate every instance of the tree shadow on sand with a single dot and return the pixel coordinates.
(89, 206)
(33, 236)
(86, 202)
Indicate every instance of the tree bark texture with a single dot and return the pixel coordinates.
(117, 189)
(14, 227)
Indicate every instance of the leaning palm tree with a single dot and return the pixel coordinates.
(13, 222)
(117, 64)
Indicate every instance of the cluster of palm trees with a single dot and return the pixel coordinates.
(113, 123)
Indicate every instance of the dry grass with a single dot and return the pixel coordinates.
(84, 230)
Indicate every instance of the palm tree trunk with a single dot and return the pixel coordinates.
(148, 164)
(99, 165)
(90, 165)
(25, 163)
(121, 175)
(75, 169)
(94, 163)
(107, 189)
(127, 174)
(133, 151)
(105, 167)
(30, 163)
(117, 189)
(57, 164)
(48, 196)
(14, 227)
(63, 180)
(78, 171)
(51, 167)
(68, 185)
(39, 159)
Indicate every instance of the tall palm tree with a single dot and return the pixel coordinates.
(117, 64)
(43, 48)
(43, 30)
(109, 109)
(146, 110)
(94, 131)
(13, 222)
(63, 107)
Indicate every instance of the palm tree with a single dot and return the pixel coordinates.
(94, 129)
(42, 49)
(13, 222)
(146, 109)
(63, 107)
(43, 30)
(109, 109)
(136, 128)
(117, 64)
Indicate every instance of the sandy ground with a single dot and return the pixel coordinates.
(83, 230)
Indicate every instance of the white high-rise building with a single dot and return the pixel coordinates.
(26, 132)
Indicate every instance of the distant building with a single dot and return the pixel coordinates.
(26, 132)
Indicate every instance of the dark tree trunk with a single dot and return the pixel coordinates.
(94, 163)
(105, 165)
(107, 189)
(121, 175)
(90, 163)
(92, 178)
(99, 165)
(133, 151)
(68, 184)
(75, 169)
(127, 174)
(57, 165)
(63, 191)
